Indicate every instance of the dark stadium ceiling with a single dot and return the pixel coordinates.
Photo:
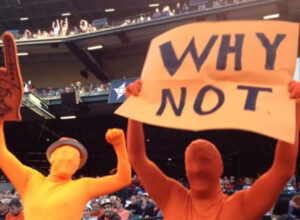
(41, 13)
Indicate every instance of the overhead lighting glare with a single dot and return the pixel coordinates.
(23, 54)
(271, 16)
(95, 47)
(154, 5)
(66, 14)
(109, 10)
(24, 19)
(68, 117)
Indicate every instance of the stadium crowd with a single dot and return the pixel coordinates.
(55, 93)
(133, 202)
(61, 27)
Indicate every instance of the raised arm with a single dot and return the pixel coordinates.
(16, 172)
(157, 184)
(263, 194)
(122, 178)
(11, 82)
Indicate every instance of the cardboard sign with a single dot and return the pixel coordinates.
(221, 75)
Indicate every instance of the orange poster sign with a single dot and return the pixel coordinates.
(220, 75)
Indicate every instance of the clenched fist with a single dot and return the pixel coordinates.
(114, 136)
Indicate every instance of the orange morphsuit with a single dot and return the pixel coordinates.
(204, 167)
(56, 196)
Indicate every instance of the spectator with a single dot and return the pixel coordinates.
(107, 210)
(185, 8)
(147, 206)
(56, 28)
(15, 210)
(96, 209)
(91, 28)
(247, 183)
(134, 207)
(87, 214)
(157, 13)
(64, 25)
(123, 213)
(38, 34)
(83, 26)
(4, 208)
(286, 206)
(166, 12)
(27, 34)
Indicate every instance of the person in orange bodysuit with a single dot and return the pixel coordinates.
(204, 167)
(56, 196)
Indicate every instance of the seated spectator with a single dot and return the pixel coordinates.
(247, 183)
(27, 34)
(38, 34)
(83, 26)
(15, 210)
(177, 9)
(156, 14)
(119, 208)
(87, 214)
(96, 209)
(185, 8)
(232, 181)
(166, 12)
(45, 34)
(4, 208)
(286, 206)
(107, 210)
(147, 206)
(134, 207)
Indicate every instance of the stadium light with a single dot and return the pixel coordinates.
(154, 5)
(68, 117)
(95, 47)
(24, 19)
(65, 14)
(109, 10)
(271, 16)
(23, 54)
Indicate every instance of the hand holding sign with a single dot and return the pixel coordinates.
(233, 75)
(11, 83)
(134, 88)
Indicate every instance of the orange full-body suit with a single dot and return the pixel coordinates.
(204, 167)
(57, 196)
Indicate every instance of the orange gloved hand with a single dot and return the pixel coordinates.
(11, 83)
(134, 88)
(294, 89)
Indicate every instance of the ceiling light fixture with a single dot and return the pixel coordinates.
(109, 10)
(153, 5)
(95, 47)
(271, 16)
(23, 54)
(24, 19)
(65, 14)
(68, 117)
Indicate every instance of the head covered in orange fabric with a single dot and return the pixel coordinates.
(204, 167)
(66, 156)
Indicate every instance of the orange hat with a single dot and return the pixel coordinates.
(72, 142)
